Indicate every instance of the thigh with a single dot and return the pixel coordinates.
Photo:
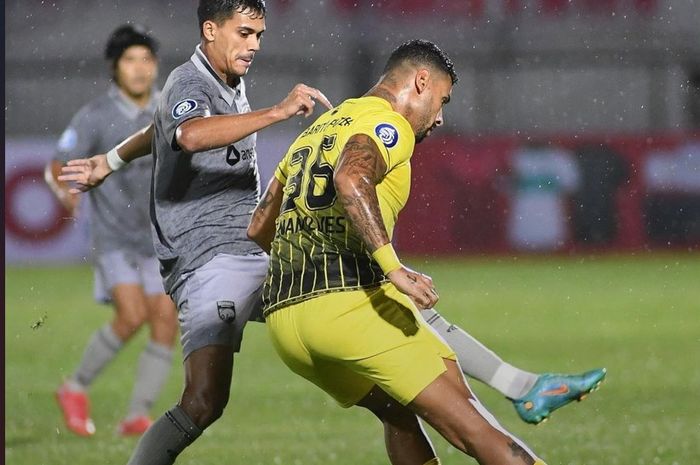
(372, 336)
(341, 383)
(216, 300)
(149, 275)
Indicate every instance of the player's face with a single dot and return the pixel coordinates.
(235, 43)
(136, 71)
(436, 97)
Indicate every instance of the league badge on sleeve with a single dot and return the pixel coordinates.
(387, 134)
(183, 107)
(68, 140)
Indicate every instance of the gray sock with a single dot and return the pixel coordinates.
(153, 369)
(479, 362)
(103, 346)
(165, 439)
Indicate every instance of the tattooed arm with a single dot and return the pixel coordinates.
(360, 168)
(261, 229)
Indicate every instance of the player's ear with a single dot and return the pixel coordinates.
(421, 80)
(209, 30)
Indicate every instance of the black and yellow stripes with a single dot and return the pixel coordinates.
(306, 267)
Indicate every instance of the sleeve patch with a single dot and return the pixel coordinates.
(183, 107)
(387, 133)
(68, 140)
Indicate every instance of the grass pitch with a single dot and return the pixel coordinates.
(638, 316)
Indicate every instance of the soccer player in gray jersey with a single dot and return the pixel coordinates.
(126, 268)
(205, 184)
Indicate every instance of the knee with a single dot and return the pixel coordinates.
(127, 323)
(164, 331)
(396, 415)
(204, 406)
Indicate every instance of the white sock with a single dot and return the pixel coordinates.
(153, 369)
(479, 362)
(102, 348)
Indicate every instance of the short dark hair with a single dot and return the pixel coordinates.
(422, 52)
(126, 36)
(221, 10)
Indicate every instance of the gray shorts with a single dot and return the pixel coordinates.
(217, 299)
(124, 267)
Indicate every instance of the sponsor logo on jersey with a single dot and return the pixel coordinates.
(387, 133)
(183, 107)
(227, 310)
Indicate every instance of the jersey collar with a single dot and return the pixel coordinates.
(228, 93)
(128, 107)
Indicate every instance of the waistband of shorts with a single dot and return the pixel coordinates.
(295, 300)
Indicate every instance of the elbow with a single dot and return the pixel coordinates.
(187, 140)
(253, 233)
(257, 235)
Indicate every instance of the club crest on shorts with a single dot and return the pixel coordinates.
(183, 107)
(227, 310)
(387, 133)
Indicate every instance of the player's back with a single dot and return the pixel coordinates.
(315, 249)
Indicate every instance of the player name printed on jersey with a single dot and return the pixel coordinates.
(327, 224)
(316, 128)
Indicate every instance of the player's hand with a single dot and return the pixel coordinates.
(86, 173)
(301, 101)
(417, 286)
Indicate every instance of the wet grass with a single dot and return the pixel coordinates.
(637, 315)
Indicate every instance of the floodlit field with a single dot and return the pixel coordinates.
(637, 316)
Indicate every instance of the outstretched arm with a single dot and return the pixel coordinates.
(261, 229)
(209, 132)
(360, 168)
(88, 173)
(60, 189)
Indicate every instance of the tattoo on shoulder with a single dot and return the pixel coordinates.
(362, 157)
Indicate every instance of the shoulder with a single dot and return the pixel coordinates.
(390, 127)
(93, 110)
(185, 75)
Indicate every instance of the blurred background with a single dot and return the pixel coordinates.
(558, 209)
(574, 125)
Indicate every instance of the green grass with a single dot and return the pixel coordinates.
(638, 316)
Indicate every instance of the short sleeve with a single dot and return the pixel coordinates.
(282, 170)
(392, 134)
(78, 140)
(186, 99)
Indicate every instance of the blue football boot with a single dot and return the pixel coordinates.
(552, 391)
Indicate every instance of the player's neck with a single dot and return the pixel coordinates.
(383, 92)
(140, 100)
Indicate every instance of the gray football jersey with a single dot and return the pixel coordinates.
(119, 213)
(201, 202)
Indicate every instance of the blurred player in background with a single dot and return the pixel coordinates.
(341, 309)
(126, 268)
(205, 184)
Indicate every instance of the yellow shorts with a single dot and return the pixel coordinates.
(346, 342)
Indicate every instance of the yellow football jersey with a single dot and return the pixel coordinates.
(316, 250)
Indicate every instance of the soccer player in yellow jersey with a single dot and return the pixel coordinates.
(341, 309)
